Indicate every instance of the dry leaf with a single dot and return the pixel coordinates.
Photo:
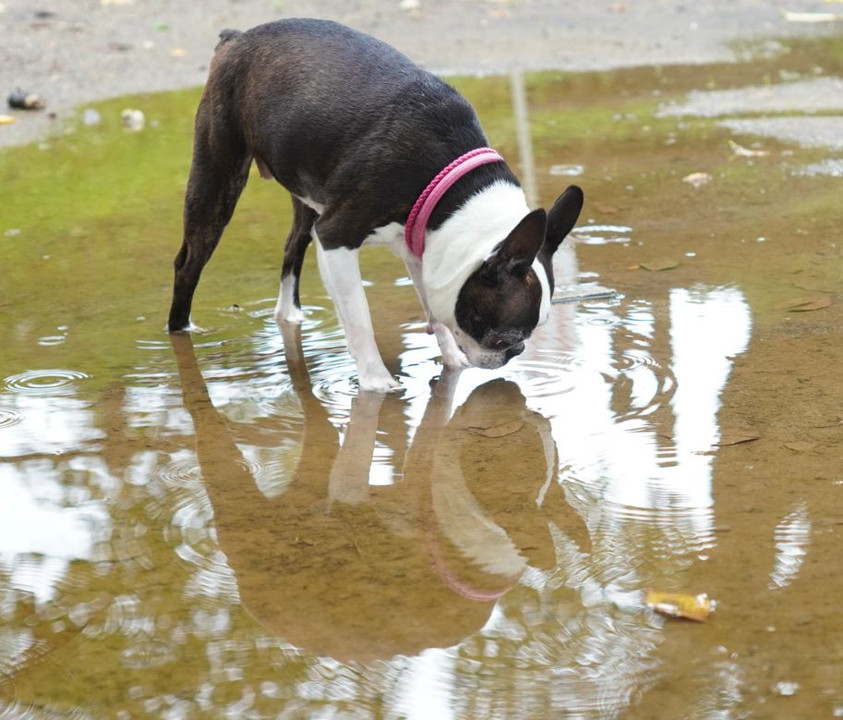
(681, 605)
(741, 151)
(698, 179)
(7, 119)
(735, 439)
(658, 264)
(496, 431)
(806, 304)
(800, 446)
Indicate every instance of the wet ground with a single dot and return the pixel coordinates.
(222, 527)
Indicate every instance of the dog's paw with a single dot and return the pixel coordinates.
(454, 359)
(292, 315)
(378, 382)
(188, 329)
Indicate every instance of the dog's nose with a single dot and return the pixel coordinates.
(514, 350)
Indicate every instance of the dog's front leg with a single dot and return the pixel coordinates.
(452, 357)
(340, 270)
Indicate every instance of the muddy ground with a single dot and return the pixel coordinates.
(77, 51)
(761, 229)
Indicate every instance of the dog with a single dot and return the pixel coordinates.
(372, 149)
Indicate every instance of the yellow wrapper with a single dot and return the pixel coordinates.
(681, 605)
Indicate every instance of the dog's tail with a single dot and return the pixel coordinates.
(226, 36)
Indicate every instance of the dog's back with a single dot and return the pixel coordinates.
(299, 93)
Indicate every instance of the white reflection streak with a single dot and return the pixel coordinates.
(426, 687)
(793, 535)
(707, 327)
(619, 458)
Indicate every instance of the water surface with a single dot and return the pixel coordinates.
(221, 526)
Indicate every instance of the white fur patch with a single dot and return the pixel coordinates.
(312, 204)
(464, 241)
(285, 308)
(386, 235)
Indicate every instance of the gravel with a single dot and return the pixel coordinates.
(72, 52)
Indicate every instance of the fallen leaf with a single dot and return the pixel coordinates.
(800, 446)
(496, 431)
(741, 151)
(658, 264)
(698, 179)
(7, 119)
(735, 439)
(806, 304)
(681, 605)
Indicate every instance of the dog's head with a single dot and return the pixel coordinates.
(508, 296)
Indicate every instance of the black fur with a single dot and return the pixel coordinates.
(505, 317)
(347, 122)
(335, 116)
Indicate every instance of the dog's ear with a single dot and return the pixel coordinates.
(516, 253)
(561, 219)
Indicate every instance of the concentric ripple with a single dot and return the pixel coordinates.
(603, 234)
(44, 382)
(193, 538)
(180, 473)
(9, 417)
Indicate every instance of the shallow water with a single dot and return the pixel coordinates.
(222, 527)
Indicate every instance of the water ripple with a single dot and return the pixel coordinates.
(180, 473)
(9, 417)
(602, 234)
(44, 382)
(541, 377)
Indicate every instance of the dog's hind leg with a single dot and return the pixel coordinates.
(218, 174)
(288, 307)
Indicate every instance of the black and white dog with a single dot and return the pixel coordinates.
(373, 149)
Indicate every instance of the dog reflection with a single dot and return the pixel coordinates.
(359, 572)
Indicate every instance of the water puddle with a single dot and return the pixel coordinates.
(221, 526)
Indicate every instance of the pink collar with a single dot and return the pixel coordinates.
(414, 230)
